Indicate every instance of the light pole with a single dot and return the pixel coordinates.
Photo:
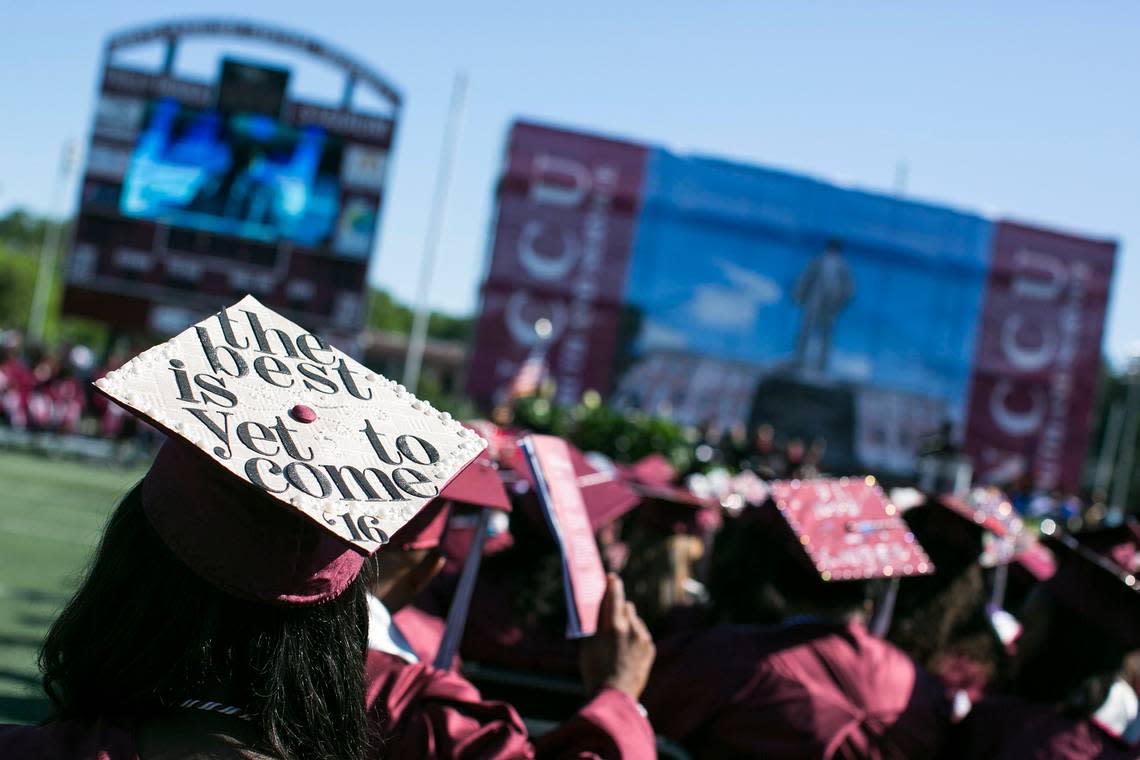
(1123, 475)
(49, 251)
(415, 355)
(1102, 477)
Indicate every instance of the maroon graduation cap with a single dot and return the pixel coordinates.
(479, 484)
(606, 496)
(676, 510)
(981, 525)
(651, 470)
(502, 443)
(1120, 544)
(1093, 584)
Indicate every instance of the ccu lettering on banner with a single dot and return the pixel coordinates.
(1029, 351)
(550, 253)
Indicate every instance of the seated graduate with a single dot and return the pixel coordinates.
(418, 710)
(952, 621)
(667, 539)
(223, 615)
(518, 610)
(816, 684)
(1075, 679)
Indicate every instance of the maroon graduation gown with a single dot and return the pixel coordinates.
(67, 740)
(1006, 728)
(811, 690)
(423, 630)
(493, 634)
(418, 711)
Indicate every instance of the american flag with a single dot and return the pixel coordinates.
(529, 378)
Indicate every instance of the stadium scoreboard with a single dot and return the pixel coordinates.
(196, 193)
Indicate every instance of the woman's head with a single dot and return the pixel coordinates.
(659, 572)
(941, 618)
(143, 632)
(759, 573)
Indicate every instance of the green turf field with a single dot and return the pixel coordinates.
(51, 515)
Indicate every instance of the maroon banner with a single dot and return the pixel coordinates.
(1038, 355)
(567, 212)
(578, 360)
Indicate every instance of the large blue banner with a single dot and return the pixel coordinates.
(754, 292)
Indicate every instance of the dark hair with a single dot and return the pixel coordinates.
(759, 573)
(944, 616)
(534, 569)
(143, 632)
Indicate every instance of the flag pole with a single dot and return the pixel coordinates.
(414, 358)
(49, 251)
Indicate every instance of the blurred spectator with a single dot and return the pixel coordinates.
(793, 458)
(765, 459)
(16, 381)
(49, 391)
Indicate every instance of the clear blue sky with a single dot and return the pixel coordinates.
(1022, 109)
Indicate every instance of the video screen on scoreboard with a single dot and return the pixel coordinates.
(247, 175)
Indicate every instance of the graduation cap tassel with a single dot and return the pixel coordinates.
(885, 610)
(457, 613)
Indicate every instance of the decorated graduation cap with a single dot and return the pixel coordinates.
(1091, 582)
(959, 530)
(849, 529)
(987, 508)
(286, 462)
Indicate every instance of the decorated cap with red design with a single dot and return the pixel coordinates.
(502, 443)
(987, 508)
(286, 461)
(849, 529)
(959, 530)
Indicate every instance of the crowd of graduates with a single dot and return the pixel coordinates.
(752, 607)
(1023, 642)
